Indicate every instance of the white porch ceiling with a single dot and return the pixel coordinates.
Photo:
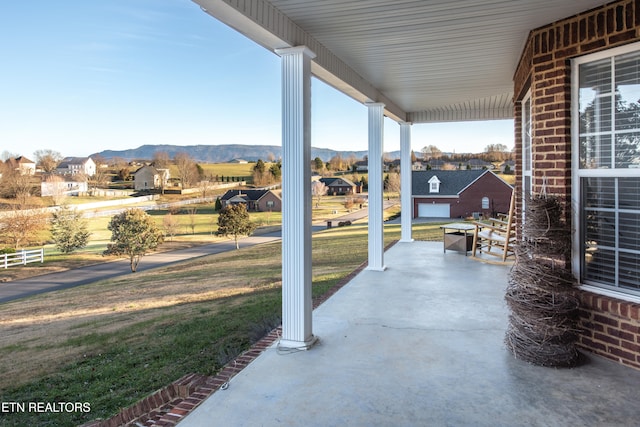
(426, 60)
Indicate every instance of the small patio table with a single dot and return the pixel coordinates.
(457, 237)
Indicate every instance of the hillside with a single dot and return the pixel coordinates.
(224, 153)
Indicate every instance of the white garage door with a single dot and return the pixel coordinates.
(434, 210)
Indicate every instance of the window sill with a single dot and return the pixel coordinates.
(610, 293)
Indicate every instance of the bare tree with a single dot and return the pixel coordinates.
(161, 160)
(56, 188)
(431, 152)
(318, 191)
(187, 170)
(17, 185)
(336, 163)
(192, 211)
(6, 155)
(351, 160)
(20, 227)
(118, 163)
(100, 179)
(349, 203)
(47, 159)
(496, 152)
(205, 186)
(171, 225)
(392, 183)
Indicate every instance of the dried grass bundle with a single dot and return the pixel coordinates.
(543, 322)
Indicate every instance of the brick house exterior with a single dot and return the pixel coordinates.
(459, 193)
(339, 186)
(255, 200)
(558, 140)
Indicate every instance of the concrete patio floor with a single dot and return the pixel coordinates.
(420, 344)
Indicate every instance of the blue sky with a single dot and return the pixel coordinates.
(82, 76)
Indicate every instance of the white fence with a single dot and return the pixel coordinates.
(22, 258)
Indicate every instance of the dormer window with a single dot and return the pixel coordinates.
(434, 185)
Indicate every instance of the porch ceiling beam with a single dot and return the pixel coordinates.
(260, 21)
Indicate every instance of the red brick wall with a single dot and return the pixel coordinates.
(545, 70)
(611, 328)
(470, 200)
(261, 205)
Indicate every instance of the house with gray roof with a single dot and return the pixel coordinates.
(339, 186)
(458, 194)
(255, 200)
(478, 164)
(76, 165)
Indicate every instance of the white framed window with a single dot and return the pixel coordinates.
(606, 179)
(485, 203)
(434, 185)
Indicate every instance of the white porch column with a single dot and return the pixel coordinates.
(376, 196)
(296, 198)
(406, 201)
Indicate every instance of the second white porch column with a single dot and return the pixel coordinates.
(406, 199)
(296, 198)
(376, 196)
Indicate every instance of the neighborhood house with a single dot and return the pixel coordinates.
(76, 165)
(22, 164)
(459, 194)
(150, 178)
(69, 187)
(255, 200)
(340, 186)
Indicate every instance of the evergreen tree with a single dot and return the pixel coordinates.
(69, 229)
(318, 164)
(275, 171)
(134, 233)
(259, 167)
(234, 221)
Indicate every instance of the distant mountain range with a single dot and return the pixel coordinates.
(226, 153)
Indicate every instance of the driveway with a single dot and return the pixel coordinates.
(17, 289)
(81, 276)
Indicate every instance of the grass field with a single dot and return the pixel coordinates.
(244, 170)
(197, 224)
(113, 342)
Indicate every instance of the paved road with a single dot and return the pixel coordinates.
(81, 276)
(17, 289)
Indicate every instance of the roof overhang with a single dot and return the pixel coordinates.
(426, 61)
